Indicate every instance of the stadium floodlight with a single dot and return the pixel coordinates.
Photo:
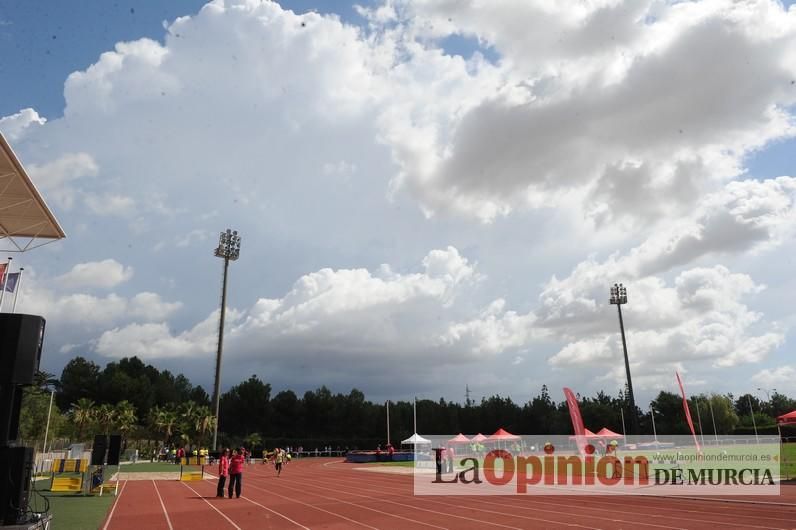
(619, 298)
(228, 249)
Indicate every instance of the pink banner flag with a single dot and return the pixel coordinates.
(577, 420)
(687, 411)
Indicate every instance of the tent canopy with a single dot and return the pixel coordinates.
(605, 432)
(502, 434)
(479, 438)
(459, 439)
(416, 439)
(787, 419)
(25, 220)
(587, 434)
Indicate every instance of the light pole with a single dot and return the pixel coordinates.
(228, 249)
(619, 298)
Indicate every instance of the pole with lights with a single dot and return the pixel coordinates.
(619, 298)
(228, 249)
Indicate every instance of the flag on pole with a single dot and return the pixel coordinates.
(3, 267)
(687, 412)
(11, 282)
(577, 420)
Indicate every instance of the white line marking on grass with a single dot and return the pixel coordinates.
(163, 505)
(209, 504)
(275, 512)
(113, 508)
(313, 507)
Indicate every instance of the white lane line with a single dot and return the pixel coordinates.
(275, 512)
(113, 508)
(209, 504)
(163, 506)
(361, 507)
(313, 507)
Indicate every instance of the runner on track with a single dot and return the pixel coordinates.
(279, 458)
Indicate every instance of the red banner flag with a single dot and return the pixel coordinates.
(687, 411)
(577, 420)
(3, 267)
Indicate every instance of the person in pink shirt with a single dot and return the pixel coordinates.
(236, 471)
(223, 472)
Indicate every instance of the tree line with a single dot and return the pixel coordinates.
(150, 408)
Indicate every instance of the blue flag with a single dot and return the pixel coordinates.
(11, 281)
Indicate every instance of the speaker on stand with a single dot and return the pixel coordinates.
(21, 340)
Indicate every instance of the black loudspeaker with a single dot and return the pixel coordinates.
(98, 450)
(21, 339)
(16, 466)
(114, 449)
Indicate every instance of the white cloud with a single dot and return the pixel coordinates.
(103, 274)
(16, 126)
(353, 314)
(699, 318)
(598, 97)
(110, 204)
(621, 126)
(57, 177)
(781, 375)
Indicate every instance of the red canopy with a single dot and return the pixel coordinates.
(502, 434)
(459, 439)
(605, 432)
(787, 419)
(479, 438)
(587, 433)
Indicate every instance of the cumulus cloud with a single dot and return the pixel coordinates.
(57, 177)
(15, 127)
(781, 375)
(621, 125)
(601, 97)
(103, 274)
(331, 315)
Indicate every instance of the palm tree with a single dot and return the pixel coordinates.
(83, 413)
(204, 421)
(106, 417)
(125, 419)
(163, 420)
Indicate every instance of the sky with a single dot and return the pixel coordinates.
(431, 194)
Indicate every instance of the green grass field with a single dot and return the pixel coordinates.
(76, 512)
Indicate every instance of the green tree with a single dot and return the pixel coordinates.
(79, 379)
(105, 417)
(125, 419)
(83, 413)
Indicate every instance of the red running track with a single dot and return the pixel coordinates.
(327, 493)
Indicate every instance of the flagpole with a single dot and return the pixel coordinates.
(654, 431)
(713, 418)
(622, 412)
(388, 422)
(17, 288)
(414, 414)
(5, 278)
(699, 419)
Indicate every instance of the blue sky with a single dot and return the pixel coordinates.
(398, 196)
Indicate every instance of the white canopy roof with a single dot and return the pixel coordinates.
(416, 439)
(25, 219)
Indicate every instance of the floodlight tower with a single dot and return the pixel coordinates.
(228, 249)
(619, 298)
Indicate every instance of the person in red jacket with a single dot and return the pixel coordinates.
(223, 472)
(236, 471)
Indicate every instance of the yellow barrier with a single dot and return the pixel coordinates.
(194, 461)
(66, 465)
(68, 484)
(190, 476)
